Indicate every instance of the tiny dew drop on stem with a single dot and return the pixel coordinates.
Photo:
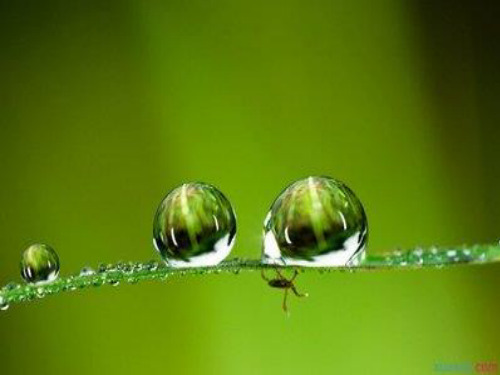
(87, 271)
(39, 264)
(3, 304)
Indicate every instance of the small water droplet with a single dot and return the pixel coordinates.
(40, 292)
(70, 283)
(129, 267)
(138, 267)
(151, 266)
(3, 304)
(103, 268)
(194, 226)
(11, 286)
(416, 257)
(87, 271)
(132, 280)
(39, 264)
(315, 222)
(418, 252)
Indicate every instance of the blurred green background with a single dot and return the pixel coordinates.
(106, 106)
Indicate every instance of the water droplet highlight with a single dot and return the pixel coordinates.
(39, 264)
(3, 304)
(315, 222)
(194, 226)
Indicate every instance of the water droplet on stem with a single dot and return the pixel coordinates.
(39, 264)
(194, 226)
(315, 222)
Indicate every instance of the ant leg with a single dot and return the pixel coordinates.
(285, 305)
(263, 274)
(295, 274)
(296, 292)
(280, 274)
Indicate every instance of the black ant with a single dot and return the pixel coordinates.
(281, 282)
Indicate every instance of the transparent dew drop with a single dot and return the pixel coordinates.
(11, 286)
(315, 222)
(40, 293)
(132, 280)
(151, 266)
(3, 304)
(101, 268)
(126, 268)
(87, 271)
(194, 226)
(70, 283)
(39, 264)
(416, 257)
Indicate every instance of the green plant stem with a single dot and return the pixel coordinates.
(134, 272)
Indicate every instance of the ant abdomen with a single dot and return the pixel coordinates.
(279, 283)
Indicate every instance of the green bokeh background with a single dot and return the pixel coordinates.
(105, 106)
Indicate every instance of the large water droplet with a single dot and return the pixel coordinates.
(39, 264)
(194, 226)
(315, 222)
